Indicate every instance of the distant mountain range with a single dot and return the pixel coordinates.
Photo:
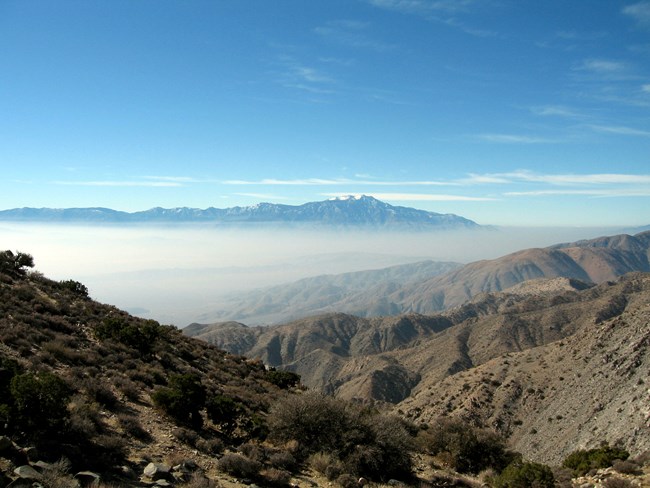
(351, 211)
(429, 287)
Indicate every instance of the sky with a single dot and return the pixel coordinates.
(507, 112)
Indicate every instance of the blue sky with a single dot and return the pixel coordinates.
(506, 112)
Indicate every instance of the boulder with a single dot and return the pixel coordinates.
(88, 478)
(27, 472)
(156, 471)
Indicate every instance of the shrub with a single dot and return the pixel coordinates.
(140, 335)
(239, 466)
(210, 446)
(282, 379)
(368, 444)
(626, 467)
(276, 477)
(14, 264)
(131, 425)
(615, 482)
(319, 461)
(40, 402)
(525, 475)
(224, 411)
(582, 461)
(187, 436)
(75, 287)
(468, 449)
(182, 399)
(283, 460)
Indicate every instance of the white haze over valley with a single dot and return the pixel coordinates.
(176, 273)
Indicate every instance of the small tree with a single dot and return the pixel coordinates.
(40, 402)
(283, 379)
(182, 399)
(75, 287)
(14, 264)
(224, 411)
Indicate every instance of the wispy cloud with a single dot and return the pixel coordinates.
(115, 183)
(640, 12)
(442, 11)
(559, 179)
(603, 66)
(174, 179)
(556, 111)
(625, 131)
(263, 196)
(645, 88)
(337, 181)
(297, 75)
(514, 139)
(351, 33)
(420, 197)
(618, 192)
(423, 7)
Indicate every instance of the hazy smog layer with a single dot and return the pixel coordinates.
(174, 273)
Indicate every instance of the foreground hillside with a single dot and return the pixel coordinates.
(432, 287)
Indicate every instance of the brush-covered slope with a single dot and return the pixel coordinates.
(78, 380)
(568, 394)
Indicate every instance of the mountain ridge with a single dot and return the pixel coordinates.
(593, 261)
(346, 211)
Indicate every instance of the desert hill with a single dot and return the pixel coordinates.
(559, 396)
(429, 287)
(358, 293)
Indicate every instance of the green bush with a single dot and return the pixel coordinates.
(75, 287)
(224, 411)
(182, 399)
(469, 449)
(525, 475)
(282, 379)
(366, 443)
(140, 335)
(582, 461)
(39, 402)
(14, 264)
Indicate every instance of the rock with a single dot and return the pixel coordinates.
(41, 465)
(88, 478)
(156, 471)
(31, 453)
(27, 472)
(5, 443)
(162, 483)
